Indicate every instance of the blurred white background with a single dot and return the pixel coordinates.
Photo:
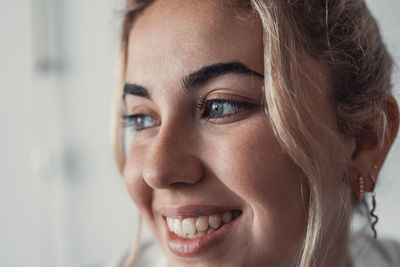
(62, 200)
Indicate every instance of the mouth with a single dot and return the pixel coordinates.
(193, 227)
(189, 235)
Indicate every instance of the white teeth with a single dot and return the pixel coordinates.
(202, 224)
(215, 221)
(188, 226)
(210, 230)
(177, 227)
(170, 223)
(190, 236)
(227, 217)
(198, 234)
(197, 227)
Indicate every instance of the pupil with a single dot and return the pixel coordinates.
(217, 109)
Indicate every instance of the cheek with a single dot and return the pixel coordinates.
(253, 165)
(137, 188)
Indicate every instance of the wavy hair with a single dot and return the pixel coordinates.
(342, 36)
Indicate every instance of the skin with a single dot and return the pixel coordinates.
(235, 161)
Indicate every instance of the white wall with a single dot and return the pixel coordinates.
(62, 201)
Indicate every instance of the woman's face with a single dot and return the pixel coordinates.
(204, 166)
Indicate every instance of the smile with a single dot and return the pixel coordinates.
(193, 230)
(199, 226)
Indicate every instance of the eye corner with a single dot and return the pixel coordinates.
(140, 121)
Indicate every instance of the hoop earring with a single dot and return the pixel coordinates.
(361, 192)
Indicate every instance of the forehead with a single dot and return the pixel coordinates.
(178, 37)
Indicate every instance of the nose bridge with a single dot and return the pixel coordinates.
(172, 158)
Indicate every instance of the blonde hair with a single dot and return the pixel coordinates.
(342, 36)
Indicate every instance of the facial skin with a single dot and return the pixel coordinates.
(185, 159)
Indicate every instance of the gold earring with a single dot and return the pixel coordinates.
(361, 183)
(371, 176)
(373, 215)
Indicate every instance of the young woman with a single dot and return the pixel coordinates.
(253, 128)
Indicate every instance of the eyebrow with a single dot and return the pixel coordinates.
(134, 89)
(210, 72)
(197, 78)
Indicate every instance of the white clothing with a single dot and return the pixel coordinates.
(364, 253)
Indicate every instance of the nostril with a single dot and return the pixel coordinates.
(179, 184)
(169, 163)
(163, 177)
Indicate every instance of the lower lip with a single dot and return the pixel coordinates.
(184, 247)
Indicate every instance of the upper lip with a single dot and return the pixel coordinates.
(193, 210)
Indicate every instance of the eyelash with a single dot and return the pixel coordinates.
(205, 106)
(130, 121)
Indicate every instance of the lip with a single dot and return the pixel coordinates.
(193, 211)
(196, 246)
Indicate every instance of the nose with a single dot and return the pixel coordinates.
(172, 159)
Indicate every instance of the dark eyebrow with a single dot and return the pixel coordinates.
(197, 78)
(207, 73)
(134, 89)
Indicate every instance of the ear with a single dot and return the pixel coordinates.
(368, 155)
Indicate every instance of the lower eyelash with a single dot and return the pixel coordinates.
(125, 119)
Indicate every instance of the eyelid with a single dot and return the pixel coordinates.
(136, 109)
(129, 122)
(142, 109)
(226, 94)
(239, 109)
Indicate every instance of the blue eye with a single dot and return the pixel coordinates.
(138, 122)
(211, 109)
(219, 108)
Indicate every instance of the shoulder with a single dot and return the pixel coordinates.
(367, 252)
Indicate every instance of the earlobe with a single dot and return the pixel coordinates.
(369, 153)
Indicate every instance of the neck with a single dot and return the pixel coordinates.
(334, 249)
